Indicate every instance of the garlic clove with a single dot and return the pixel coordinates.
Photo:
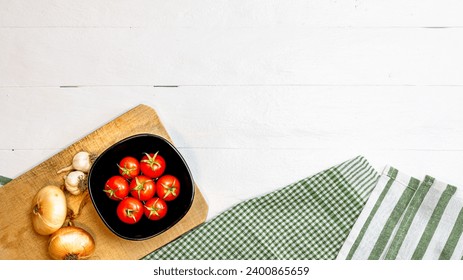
(75, 182)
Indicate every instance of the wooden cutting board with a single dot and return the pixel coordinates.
(18, 240)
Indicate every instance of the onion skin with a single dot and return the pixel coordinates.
(71, 243)
(49, 210)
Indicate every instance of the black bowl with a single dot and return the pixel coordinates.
(105, 166)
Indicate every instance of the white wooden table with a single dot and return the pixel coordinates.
(255, 94)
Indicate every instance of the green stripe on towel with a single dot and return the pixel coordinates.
(433, 222)
(409, 215)
(393, 219)
(452, 241)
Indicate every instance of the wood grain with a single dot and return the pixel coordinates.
(19, 241)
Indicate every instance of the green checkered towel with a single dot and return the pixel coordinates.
(408, 219)
(309, 219)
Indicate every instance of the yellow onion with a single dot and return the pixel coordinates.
(49, 210)
(71, 243)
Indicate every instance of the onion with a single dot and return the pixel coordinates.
(75, 182)
(71, 243)
(49, 210)
(81, 161)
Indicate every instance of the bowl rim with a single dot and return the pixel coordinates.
(190, 176)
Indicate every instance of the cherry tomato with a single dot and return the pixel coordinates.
(116, 187)
(155, 209)
(142, 188)
(168, 187)
(130, 210)
(129, 167)
(152, 165)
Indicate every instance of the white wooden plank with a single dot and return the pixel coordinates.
(254, 56)
(312, 118)
(53, 118)
(226, 13)
(315, 118)
(291, 128)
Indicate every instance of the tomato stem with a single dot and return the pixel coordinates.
(169, 189)
(125, 170)
(152, 160)
(112, 193)
(139, 186)
(129, 213)
(153, 210)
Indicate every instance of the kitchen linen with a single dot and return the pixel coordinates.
(309, 219)
(408, 219)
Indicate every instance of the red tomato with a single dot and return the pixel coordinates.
(116, 187)
(129, 167)
(152, 165)
(142, 187)
(168, 187)
(155, 209)
(130, 210)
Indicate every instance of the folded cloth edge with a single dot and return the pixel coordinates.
(4, 180)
